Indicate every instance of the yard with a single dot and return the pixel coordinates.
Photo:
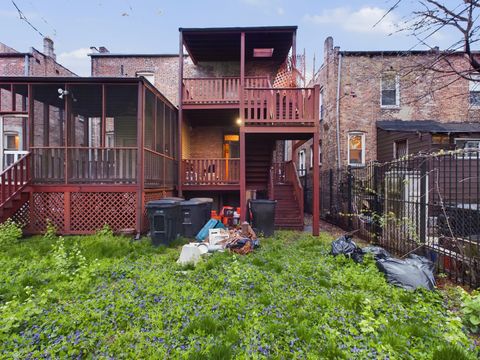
(108, 297)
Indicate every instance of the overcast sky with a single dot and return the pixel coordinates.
(151, 26)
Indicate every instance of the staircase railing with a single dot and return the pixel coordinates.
(292, 176)
(14, 179)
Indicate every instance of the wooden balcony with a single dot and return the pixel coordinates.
(280, 107)
(214, 173)
(218, 90)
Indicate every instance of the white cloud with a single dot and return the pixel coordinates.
(362, 20)
(76, 60)
(280, 11)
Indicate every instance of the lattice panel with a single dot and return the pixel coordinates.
(47, 206)
(22, 215)
(289, 75)
(90, 211)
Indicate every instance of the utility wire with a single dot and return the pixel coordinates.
(24, 18)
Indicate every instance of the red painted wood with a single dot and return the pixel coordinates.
(316, 165)
(210, 171)
(14, 179)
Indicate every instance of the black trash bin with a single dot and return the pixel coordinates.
(193, 217)
(165, 220)
(262, 216)
(207, 207)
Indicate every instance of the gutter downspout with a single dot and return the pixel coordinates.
(337, 112)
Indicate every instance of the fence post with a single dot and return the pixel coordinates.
(423, 201)
(330, 184)
(349, 196)
(376, 205)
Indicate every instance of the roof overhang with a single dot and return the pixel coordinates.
(223, 44)
(428, 126)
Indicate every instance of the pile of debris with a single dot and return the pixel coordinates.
(238, 240)
(412, 273)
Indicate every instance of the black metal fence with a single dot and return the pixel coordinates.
(428, 204)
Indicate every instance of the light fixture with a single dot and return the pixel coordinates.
(62, 93)
(239, 122)
(262, 52)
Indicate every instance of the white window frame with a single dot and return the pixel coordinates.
(395, 147)
(473, 86)
(311, 156)
(320, 105)
(397, 92)
(466, 157)
(301, 162)
(349, 135)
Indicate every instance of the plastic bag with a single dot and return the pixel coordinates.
(377, 251)
(344, 245)
(408, 274)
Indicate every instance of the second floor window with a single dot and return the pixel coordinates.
(390, 87)
(356, 149)
(474, 90)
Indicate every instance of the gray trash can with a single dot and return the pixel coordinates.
(207, 207)
(193, 217)
(262, 216)
(164, 217)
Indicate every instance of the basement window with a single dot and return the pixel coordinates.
(468, 144)
(263, 52)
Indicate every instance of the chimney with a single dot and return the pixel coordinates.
(48, 48)
(327, 47)
(103, 50)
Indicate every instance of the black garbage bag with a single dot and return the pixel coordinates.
(377, 252)
(424, 264)
(343, 245)
(408, 275)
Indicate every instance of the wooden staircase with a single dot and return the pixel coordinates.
(258, 159)
(286, 189)
(13, 182)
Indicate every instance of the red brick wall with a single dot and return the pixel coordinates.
(424, 95)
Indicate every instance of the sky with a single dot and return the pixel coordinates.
(151, 26)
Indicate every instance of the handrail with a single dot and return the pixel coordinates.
(224, 77)
(14, 179)
(211, 171)
(292, 176)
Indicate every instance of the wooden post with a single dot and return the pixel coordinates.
(140, 140)
(243, 180)
(316, 165)
(180, 113)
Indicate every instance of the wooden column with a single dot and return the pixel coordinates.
(316, 165)
(140, 142)
(243, 180)
(180, 114)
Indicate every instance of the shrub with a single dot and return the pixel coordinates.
(471, 312)
(51, 231)
(10, 232)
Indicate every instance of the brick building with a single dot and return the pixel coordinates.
(31, 63)
(360, 88)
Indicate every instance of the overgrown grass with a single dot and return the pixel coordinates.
(104, 296)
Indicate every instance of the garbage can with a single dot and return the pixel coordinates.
(262, 216)
(173, 198)
(193, 217)
(165, 220)
(207, 207)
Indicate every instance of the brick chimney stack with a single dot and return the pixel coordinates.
(48, 48)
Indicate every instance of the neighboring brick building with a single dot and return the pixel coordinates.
(32, 63)
(384, 85)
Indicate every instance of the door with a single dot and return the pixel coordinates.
(12, 139)
(231, 150)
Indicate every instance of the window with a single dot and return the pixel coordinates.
(400, 149)
(440, 139)
(474, 89)
(149, 75)
(12, 142)
(356, 149)
(468, 144)
(301, 162)
(390, 87)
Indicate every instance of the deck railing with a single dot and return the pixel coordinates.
(218, 90)
(279, 106)
(12, 156)
(14, 178)
(219, 171)
(292, 176)
(85, 165)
